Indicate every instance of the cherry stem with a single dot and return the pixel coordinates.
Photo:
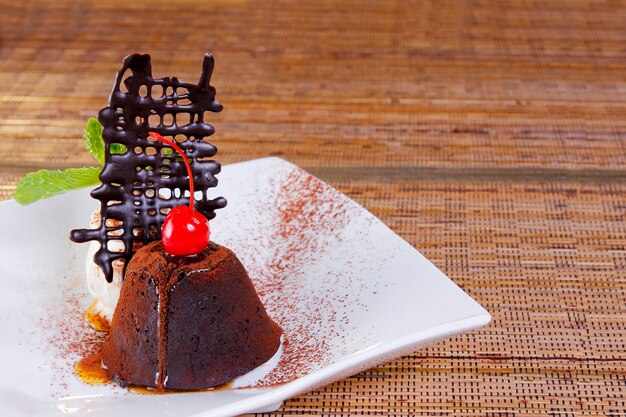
(185, 160)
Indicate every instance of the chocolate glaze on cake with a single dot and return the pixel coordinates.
(187, 323)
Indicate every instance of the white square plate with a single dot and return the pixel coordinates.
(348, 292)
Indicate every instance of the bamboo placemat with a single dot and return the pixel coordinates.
(490, 135)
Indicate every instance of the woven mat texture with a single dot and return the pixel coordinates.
(490, 135)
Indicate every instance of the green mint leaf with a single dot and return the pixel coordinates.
(95, 143)
(93, 139)
(45, 183)
(117, 149)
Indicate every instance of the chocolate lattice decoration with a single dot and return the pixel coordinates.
(142, 178)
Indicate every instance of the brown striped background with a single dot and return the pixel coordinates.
(490, 135)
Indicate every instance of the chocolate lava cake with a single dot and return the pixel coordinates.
(187, 323)
(188, 316)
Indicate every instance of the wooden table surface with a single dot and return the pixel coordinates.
(490, 135)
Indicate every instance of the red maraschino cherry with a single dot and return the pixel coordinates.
(185, 231)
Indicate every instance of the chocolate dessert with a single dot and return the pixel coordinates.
(188, 316)
(186, 323)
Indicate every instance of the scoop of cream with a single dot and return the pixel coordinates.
(105, 293)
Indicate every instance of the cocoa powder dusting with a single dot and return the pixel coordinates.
(309, 215)
(74, 341)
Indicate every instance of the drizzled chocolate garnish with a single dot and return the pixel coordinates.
(143, 179)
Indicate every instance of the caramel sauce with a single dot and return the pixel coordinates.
(154, 391)
(89, 369)
(145, 390)
(96, 320)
